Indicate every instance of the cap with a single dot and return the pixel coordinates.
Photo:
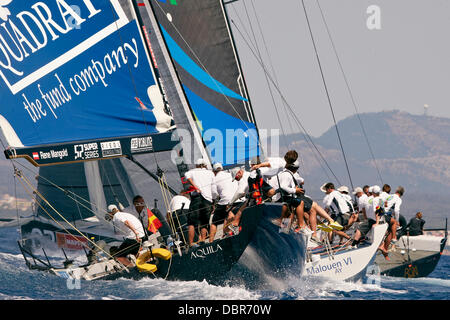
(376, 189)
(111, 207)
(200, 161)
(357, 189)
(217, 166)
(343, 189)
(234, 172)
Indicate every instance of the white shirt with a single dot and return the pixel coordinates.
(225, 187)
(242, 188)
(336, 202)
(349, 200)
(371, 206)
(119, 221)
(276, 166)
(204, 180)
(299, 179)
(394, 201)
(384, 196)
(287, 183)
(177, 203)
(362, 201)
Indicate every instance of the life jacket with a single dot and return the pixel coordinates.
(185, 187)
(256, 189)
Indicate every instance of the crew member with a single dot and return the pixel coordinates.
(130, 227)
(202, 180)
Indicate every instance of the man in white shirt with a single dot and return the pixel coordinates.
(178, 211)
(335, 203)
(179, 202)
(353, 213)
(294, 197)
(225, 189)
(130, 227)
(389, 218)
(202, 180)
(385, 193)
(361, 200)
(148, 218)
(374, 204)
(373, 208)
(239, 200)
(392, 207)
(271, 167)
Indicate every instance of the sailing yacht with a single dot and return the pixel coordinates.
(92, 94)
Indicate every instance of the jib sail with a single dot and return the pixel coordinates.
(197, 36)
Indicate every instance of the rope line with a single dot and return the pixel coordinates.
(327, 93)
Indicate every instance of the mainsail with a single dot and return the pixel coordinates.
(78, 83)
(200, 44)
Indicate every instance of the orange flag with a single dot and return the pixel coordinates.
(153, 222)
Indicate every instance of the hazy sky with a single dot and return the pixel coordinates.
(403, 65)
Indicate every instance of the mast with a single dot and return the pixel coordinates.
(181, 110)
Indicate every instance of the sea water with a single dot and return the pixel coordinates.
(18, 282)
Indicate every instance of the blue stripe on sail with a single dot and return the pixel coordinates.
(198, 73)
(213, 119)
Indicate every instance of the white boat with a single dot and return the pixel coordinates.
(344, 262)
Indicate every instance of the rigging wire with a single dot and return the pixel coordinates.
(349, 91)
(288, 118)
(209, 74)
(255, 46)
(271, 64)
(133, 81)
(307, 136)
(327, 93)
(267, 80)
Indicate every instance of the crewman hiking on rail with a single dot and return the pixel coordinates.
(258, 187)
(225, 189)
(200, 208)
(335, 203)
(295, 201)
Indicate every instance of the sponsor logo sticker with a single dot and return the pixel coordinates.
(70, 242)
(35, 156)
(111, 148)
(53, 154)
(86, 151)
(141, 144)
